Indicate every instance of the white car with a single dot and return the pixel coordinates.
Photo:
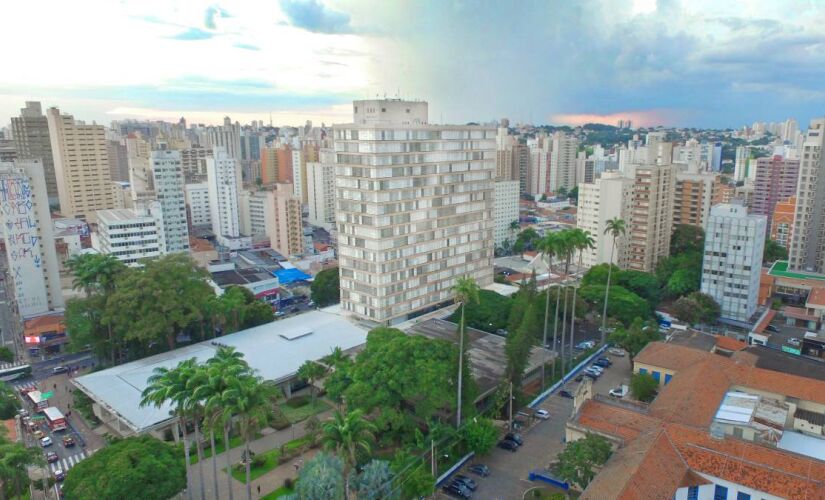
(619, 392)
(46, 441)
(543, 414)
(616, 351)
(794, 341)
(596, 368)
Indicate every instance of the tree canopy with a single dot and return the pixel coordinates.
(321, 478)
(697, 308)
(326, 288)
(643, 387)
(636, 337)
(579, 459)
(624, 305)
(773, 251)
(687, 238)
(480, 435)
(489, 314)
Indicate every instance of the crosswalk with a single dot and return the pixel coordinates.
(67, 463)
(19, 386)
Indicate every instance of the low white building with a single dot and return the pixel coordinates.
(732, 263)
(505, 210)
(129, 234)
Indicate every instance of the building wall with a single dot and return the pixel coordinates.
(651, 216)
(193, 164)
(167, 174)
(563, 162)
(287, 237)
(129, 235)
(782, 221)
(197, 198)
(299, 175)
(321, 191)
(224, 178)
(776, 179)
(389, 111)
(505, 211)
(692, 198)
(32, 142)
(608, 197)
(807, 250)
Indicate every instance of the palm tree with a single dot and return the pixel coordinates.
(583, 241)
(94, 272)
(310, 372)
(165, 385)
(615, 227)
(566, 248)
(465, 290)
(549, 248)
(350, 435)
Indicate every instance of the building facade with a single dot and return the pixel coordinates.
(32, 142)
(692, 199)
(651, 216)
(608, 197)
(321, 190)
(776, 179)
(807, 249)
(782, 221)
(167, 174)
(224, 182)
(287, 233)
(732, 263)
(563, 162)
(197, 202)
(129, 234)
(505, 210)
(414, 210)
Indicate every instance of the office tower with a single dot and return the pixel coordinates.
(118, 160)
(227, 136)
(32, 142)
(807, 249)
(607, 197)
(539, 166)
(321, 190)
(167, 175)
(288, 235)
(776, 179)
(651, 216)
(740, 165)
(521, 166)
(224, 179)
(193, 164)
(130, 234)
(505, 210)
(8, 150)
(563, 162)
(732, 262)
(782, 221)
(299, 175)
(81, 165)
(585, 168)
(197, 202)
(29, 239)
(410, 224)
(790, 130)
(693, 197)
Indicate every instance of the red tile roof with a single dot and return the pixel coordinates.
(671, 356)
(694, 394)
(816, 297)
(729, 344)
(765, 320)
(619, 422)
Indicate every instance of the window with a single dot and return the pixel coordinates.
(693, 493)
(742, 496)
(642, 370)
(720, 493)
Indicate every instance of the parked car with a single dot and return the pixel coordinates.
(772, 328)
(38, 434)
(601, 363)
(59, 369)
(596, 367)
(794, 341)
(466, 481)
(619, 392)
(516, 438)
(457, 490)
(543, 414)
(605, 360)
(23, 412)
(506, 444)
(46, 441)
(566, 394)
(59, 475)
(480, 469)
(279, 314)
(52, 457)
(592, 375)
(68, 441)
(587, 344)
(616, 351)
(579, 378)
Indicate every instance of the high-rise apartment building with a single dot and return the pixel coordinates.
(321, 190)
(32, 142)
(167, 175)
(521, 166)
(138, 156)
(505, 210)
(776, 179)
(227, 136)
(130, 234)
(27, 230)
(651, 216)
(118, 160)
(539, 167)
(740, 164)
(732, 263)
(504, 156)
(81, 165)
(224, 179)
(607, 197)
(782, 221)
(693, 198)
(193, 163)
(807, 250)
(563, 162)
(415, 209)
(288, 235)
(197, 202)
(299, 174)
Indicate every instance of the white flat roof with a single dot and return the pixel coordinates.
(264, 347)
(803, 444)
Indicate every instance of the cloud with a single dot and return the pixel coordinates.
(313, 16)
(640, 118)
(247, 46)
(211, 13)
(193, 34)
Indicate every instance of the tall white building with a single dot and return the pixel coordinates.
(28, 234)
(807, 251)
(321, 190)
(414, 209)
(129, 234)
(168, 180)
(227, 137)
(732, 264)
(197, 199)
(563, 162)
(299, 175)
(539, 168)
(740, 164)
(224, 179)
(505, 210)
(605, 198)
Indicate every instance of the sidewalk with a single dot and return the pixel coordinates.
(63, 398)
(268, 482)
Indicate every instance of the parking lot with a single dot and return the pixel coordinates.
(542, 441)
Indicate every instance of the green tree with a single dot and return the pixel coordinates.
(680, 274)
(94, 272)
(321, 478)
(325, 287)
(238, 309)
(624, 305)
(6, 354)
(643, 284)
(465, 290)
(127, 466)
(480, 435)
(351, 436)
(489, 314)
(634, 338)
(15, 459)
(526, 240)
(687, 238)
(773, 251)
(615, 227)
(643, 387)
(517, 348)
(551, 246)
(9, 404)
(311, 372)
(580, 458)
(574, 193)
(374, 482)
(697, 308)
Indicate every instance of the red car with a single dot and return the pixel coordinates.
(68, 441)
(52, 457)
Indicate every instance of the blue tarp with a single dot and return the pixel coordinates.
(287, 276)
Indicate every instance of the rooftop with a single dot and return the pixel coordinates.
(266, 348)
(772, 359)
(780, 268)
(120, 215)
(816, 298)
(692, 338)
(240, 276)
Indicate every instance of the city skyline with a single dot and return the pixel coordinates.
(671, 63)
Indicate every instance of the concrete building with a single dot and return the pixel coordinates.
(81, 165)
(585, 168)
(118, 160)
(782, 221)
(224, 180)
(410, 224)
(122, 193)
(129, 234)
(651, 216)
(807, 249)
(197, 202)
(776, 179)
(605, 198)
(193, 164)
(321, 190)
(32, 142)
(167, 175)
(563, 162)
(299, 175)
(733, 259)
(32, 264)
(521, 166)
(693, 195)
(505, 210)
(269, 165)
(138, 156)
(539, 168)
(288, 235)
(740, 164)
(227, 136)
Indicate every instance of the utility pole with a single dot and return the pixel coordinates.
(432, 457)
(511, 406)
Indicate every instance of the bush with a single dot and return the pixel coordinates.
(6, 354)
(298, 401)
(258, 461)
(289, 483)
(643, 387)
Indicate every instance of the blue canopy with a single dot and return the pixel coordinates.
(287, 276)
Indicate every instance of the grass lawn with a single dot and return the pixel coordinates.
(303, 412)
(282, 491)
(271, 460)
(234, 442)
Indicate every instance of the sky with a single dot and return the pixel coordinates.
(702, 63)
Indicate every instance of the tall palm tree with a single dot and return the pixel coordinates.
(616, 228)
(465, 290)
(583, 241)
(165, 385)
(566, 248)
(549, 248)
(351, 436)
(94, 272)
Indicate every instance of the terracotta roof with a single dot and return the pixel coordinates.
(798, 313)
(816, 297)
(620, 422)
(45, 321)
(765, 320)
(694, 394)
(199, 245)
(671, 356)
(729, 344)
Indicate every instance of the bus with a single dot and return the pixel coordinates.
(55, 419)
(10, 372)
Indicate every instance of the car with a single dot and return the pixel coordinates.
(457, 490)
(579, 378)
(794, 341)
(278, 314)
(52, 457)
(506, 444)
(59, 369)
(615, 351)
(516, 438)
(565, 394)
(592, 375)
(597, 368)
(606, 360)
(772, 328)
(23, 412)
(619, 392)
(480, 469)
(46, 441)
(311, 303)
(68, 441)
(59, 475)
(542, 414)
(38, 434)
(602, 364)
(466, 481)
